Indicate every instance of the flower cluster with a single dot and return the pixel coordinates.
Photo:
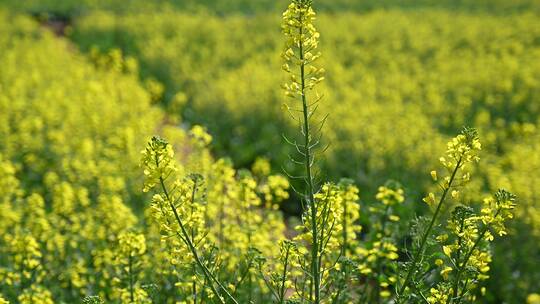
(37, 295)
(200, 134)
(131, 245)
(437, 296)
(461, 150)
(389, 196)
(301, 48)
(497, 210)
(157, 162)
(25, 265)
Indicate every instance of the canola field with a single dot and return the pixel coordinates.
(292, 152)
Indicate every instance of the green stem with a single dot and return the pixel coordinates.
(463, 291)
(284, 277)
(194, 283)
(458, 257)
(365, 291)
(378, 263)
(345, 245)
(194, 288)
(130, 269)
(420, 251)
(315, 267)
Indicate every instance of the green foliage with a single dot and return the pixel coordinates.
(224, 7)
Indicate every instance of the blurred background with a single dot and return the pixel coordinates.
(402, 78)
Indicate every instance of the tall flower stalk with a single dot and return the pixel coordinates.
(300, 55)
(462, 150)
(159, 166)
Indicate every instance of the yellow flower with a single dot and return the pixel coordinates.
(364, 269)
(438, 296)
(445, 272)
(3, 301)
(35, 294)
(434, 175)
(392, 255)
(157, 160)
(132, 244)
(200, 135)
(389, 196)
(533, 298)
(447, 251)
(429, 199)
(301, 35)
